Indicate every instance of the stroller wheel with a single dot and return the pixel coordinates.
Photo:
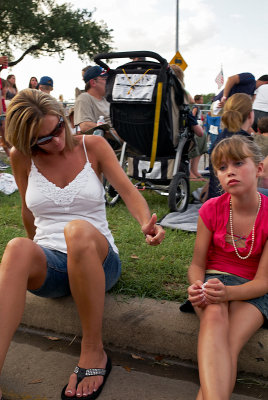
(179, 193)
(111, 195)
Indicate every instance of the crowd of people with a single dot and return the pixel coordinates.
(72, 251)
(8, 90)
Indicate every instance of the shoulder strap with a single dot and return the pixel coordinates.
(85, 150)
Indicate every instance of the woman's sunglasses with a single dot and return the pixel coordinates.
(55, 133)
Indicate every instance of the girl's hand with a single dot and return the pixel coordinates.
(215, 291)
(154, 234)
(196, 295)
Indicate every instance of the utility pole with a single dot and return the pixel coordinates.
(177, 26)
(178, 59)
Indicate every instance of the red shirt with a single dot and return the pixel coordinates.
(221, 255)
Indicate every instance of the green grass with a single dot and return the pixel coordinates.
(155, 272)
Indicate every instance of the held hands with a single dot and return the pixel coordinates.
(211, 292)
(154, 234)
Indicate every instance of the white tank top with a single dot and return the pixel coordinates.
(53, 207)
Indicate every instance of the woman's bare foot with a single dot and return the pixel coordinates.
(196, 177)
(192, 175)
(92, 358)
(201, 178)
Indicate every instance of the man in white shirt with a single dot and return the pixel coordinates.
(260, 104)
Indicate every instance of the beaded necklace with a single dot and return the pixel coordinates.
(253, 230)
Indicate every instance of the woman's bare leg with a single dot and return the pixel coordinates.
(3, 142)
(23, 266)
(194, 162)
(87, 249)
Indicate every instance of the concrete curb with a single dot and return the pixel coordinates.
(145, 325)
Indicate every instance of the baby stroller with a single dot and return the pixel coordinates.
(148, 112)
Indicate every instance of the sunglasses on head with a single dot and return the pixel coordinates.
(55, 133)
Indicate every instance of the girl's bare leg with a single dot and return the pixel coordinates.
(244, 320)
(87, 249)
(23, 266)
(214, 358)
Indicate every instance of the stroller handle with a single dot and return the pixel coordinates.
(128, 54)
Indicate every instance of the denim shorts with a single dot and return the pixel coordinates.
(57, 282)
(231, 280)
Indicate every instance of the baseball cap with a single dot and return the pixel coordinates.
(46, 80)
(94, 72)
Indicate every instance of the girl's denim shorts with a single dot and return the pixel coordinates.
(57, 282)
(231, 280)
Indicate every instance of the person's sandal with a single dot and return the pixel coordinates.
(83, 373)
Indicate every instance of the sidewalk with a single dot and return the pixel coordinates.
(37, 370)
(145, 325)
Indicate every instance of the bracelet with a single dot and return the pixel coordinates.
(224, 98)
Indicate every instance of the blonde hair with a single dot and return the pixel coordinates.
(236, 148)
(236, 111)
(180, 76)
(178, 72)
(25, 115)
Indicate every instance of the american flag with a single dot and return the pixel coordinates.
(219, 79)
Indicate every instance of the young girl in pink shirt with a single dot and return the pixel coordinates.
(229, 270)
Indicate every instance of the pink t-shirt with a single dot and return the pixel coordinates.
(221, 255)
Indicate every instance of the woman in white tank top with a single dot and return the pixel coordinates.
(59, 178)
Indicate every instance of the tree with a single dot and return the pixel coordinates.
(207, 98)
(41, 27)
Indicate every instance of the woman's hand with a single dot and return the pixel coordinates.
(154, 234)
(196, 295)
(215, 291)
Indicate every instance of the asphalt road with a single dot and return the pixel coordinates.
(38, 366)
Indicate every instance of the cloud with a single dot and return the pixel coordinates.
(237, 16)
(199, 24)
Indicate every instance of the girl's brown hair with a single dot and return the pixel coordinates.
(236, 111)
(236, 147)
(24, 117)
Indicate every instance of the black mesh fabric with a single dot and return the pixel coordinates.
(134, 121)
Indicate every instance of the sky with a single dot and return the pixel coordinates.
(212, 33)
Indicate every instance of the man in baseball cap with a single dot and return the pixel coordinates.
(94, 72)
(46, 84)
(92, 104)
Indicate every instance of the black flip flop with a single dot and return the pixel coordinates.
(82, 373)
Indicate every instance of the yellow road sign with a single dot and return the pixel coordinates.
(178, 59)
